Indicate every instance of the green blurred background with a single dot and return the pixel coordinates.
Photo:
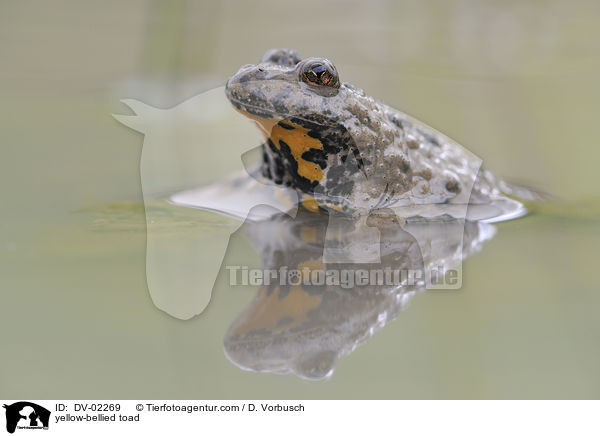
(515, 82)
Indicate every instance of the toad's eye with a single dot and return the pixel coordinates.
(320, 72)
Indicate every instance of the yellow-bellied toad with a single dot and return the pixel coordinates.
(344, 150)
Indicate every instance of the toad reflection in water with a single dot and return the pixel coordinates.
(304, 326)
(386, 194)
(342, 182)
(372, 190)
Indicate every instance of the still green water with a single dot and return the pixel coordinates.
(515, 83)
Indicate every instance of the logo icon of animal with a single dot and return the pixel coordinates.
(24, 414)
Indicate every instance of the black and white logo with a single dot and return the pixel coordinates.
(26, 415)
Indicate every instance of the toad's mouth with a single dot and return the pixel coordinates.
(281, 105)
(255, 110)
